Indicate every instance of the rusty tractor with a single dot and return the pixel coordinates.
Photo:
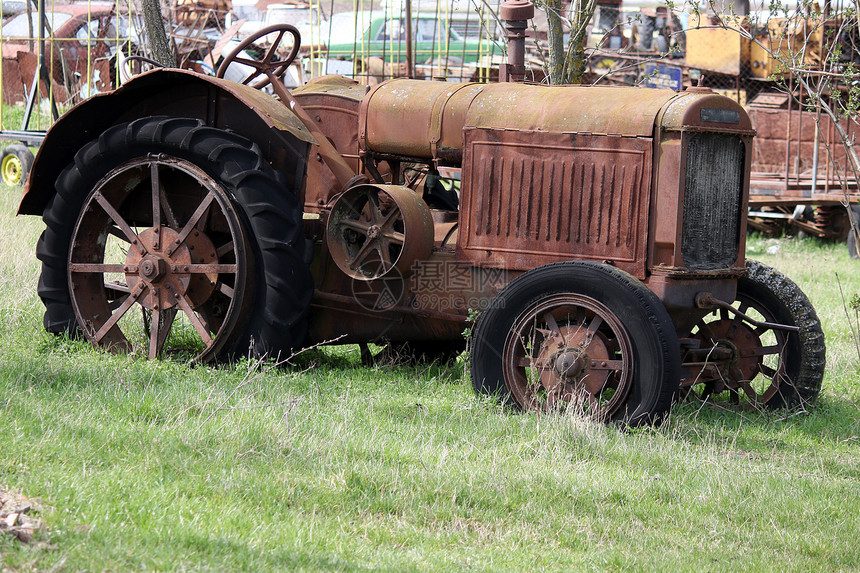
(600, 232)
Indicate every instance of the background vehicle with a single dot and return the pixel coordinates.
(76, 36)
(605, 249)
(452, 39)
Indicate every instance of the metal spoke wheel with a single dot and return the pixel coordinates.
(768, 367)
(271, 65)
(578, 336)
(161, 235)
(568, 349)
(167, 235)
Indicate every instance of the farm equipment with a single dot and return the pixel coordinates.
(599, 231)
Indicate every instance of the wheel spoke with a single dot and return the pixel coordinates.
(767, 370)
(389, 220)
(251, 63)
(374, 209)
(549, 319)
(703, 329)
(356, 225)
(761, 351)
(101, 268)
(130, 235)
(592, 329)
(205, 269)
(267, 59)
(118, 302)
(362, 253)
(156, 200)
(749, 391)
(116, 232)
(610, 365)
(394, 237)
(225, 249)
(160, 327)
(201, 329)
(225, 290)
(195, 217)
(120, 312)
(384, 255)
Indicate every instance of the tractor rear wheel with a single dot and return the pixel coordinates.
(169, 235)
(579, 335)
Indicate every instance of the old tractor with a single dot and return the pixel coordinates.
(600, 232)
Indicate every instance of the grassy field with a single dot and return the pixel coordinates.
(141, 465)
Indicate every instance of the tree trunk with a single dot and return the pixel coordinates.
(555, 38)
(156, 37)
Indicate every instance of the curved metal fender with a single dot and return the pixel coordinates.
(283, 139)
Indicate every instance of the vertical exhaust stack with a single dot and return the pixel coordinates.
(516, 14)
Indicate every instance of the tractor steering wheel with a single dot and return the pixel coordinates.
(270, 68)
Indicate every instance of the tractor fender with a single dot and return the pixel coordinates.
(283, 139)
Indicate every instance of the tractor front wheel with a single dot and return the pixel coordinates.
(579, 335)
(770, 367)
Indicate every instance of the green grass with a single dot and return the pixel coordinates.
(142, 465)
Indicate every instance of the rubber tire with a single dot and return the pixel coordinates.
(25, 159)
(272, 213)
(656, 354)
(851, 241)
(805, 353)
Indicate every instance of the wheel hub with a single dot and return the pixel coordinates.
(566, 357)
(569, 363)
(152, 268)
(165, 274)
(743, 343)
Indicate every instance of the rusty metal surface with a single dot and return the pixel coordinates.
(568, 109)
(783, 153)
(551, 360)
(333, 103)
(416, 118)
(177, 93)
(703, 109)
(531, 198)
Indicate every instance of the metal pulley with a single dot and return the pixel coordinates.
(374, 230)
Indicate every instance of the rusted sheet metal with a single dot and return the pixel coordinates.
(27, 63)
(178, 93)
(426, 119)
(333, 102)
(13, 85)
(701, 108)
(332, 85)
(533, 198)
(416, 118)
(784, 150)
(568, 109)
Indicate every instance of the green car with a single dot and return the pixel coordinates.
(454, 38)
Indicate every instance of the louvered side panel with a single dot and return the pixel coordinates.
(534, 198)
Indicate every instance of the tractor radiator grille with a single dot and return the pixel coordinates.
(712, 201)
(535, 197)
